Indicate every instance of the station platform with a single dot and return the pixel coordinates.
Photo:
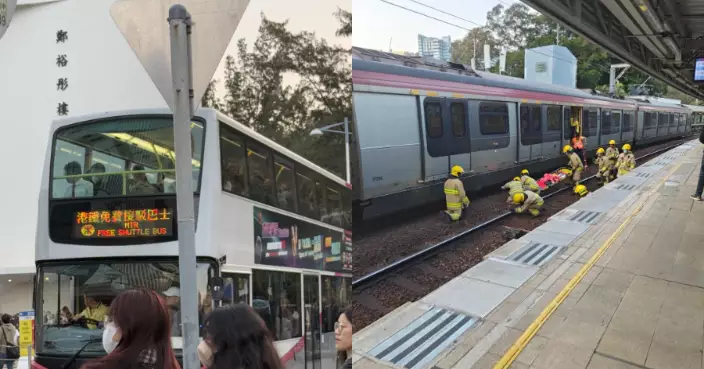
(616, 280)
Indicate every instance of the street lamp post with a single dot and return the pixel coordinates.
(346, 132)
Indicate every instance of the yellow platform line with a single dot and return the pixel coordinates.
(525, 338)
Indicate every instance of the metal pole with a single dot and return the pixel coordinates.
(347, 149)
(179, 27)
(612, 80)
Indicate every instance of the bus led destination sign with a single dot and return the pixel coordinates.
(123, 223)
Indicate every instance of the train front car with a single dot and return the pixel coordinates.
(270, 224)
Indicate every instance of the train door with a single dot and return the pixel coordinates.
(530, 133)
(492, 135)
(552, 130)
(435, 124)
(311, 320)
(457, 133)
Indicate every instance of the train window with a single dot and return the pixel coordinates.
(673, 122)
(554, 118)
(260, 182)
(662, 119)
(525, 121)
(457, 114)
(627, 122)
(277, 299)
(493, 118)
(284, 184)
(535, 119)
(591, 126)
(605, 121)
(615, 121)
(306, 196)
(322, 209)
(233, 162)
(433, 119)
(334, 207)
(647, 120)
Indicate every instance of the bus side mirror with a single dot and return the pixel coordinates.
(215, 285)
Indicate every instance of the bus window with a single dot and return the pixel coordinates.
(322, 209)
(284, 185)
(277, 299)
(337, 295)
(141, 146)
(260, 181)
(334, 206)
(240, 282)
(69, 159)
(306, 197)
(233, 162)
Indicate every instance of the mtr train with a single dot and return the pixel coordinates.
(417, 117)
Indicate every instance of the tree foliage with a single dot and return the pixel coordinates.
(517, 28)
(288, 83)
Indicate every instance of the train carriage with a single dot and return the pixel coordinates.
(418, 117)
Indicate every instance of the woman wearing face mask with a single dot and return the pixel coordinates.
(343, 339)
(237, 338)
(138, 334)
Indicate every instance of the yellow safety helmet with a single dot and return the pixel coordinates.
(581, 190)
(456, 171)
(518, 198)
(567, 149)
(612, 142)
(627, 147)
(516, 178)
(524, 172)
(600, 150)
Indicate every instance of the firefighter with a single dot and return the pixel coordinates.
(455, 197)
(528, 200)
(575, 164)
(578, 147)
(513, 187)
(603, 168)
(626, 161)
(528, 182)
(581, 190)
(612, 157)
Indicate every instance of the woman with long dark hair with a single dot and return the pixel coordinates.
(138, 334)
(237, 338)
(343, 339)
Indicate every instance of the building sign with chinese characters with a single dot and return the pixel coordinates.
(123, 223)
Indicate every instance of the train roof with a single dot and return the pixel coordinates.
(202, 112)
(695, 108)
(382, 62)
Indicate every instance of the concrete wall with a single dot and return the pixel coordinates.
(15, 297)
(103, 74)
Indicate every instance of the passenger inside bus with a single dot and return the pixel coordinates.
(78, 187)
(140, 184)
(105, 185)
(233, 178)
(94, 313)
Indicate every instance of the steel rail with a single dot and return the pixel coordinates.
(398, 264)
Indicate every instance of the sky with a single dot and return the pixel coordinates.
(376, 23)
(309, 15)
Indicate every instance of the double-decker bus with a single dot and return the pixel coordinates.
(271, 224)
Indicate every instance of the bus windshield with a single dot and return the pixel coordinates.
(75, 300)
(120, 157)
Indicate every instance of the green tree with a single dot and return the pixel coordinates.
(288, 84)
(463, 49)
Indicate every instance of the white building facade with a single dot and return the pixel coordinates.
(101, 73)
(437, 48)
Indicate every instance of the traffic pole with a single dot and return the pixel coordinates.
(180, 30)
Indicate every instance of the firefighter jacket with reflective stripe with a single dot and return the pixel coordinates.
(532, 201)
(513, 187)
(575, 162)
(626, 162)
(529, 183)
(578, 143)
(612, 154)
(455, 196)
(603, 164)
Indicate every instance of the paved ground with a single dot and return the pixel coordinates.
(641, 304)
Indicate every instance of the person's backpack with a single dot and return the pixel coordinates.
(11, 350)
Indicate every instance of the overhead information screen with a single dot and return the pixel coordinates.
(699, 70)
(126, 223)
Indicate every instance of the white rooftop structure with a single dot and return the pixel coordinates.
(552, 64)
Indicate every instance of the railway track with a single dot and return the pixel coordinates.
(379, 291)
